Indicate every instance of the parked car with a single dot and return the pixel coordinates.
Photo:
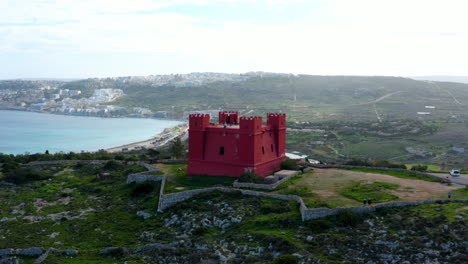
(455, 173)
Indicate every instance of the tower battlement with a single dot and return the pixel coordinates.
(199, 121)
(251, 123)
(276, 120)
(228, 117)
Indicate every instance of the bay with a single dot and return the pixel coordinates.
(22, 132)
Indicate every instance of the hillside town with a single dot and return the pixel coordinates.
(63, 101)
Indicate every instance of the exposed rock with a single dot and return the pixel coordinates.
(6, 252)
(144, 214)
(66, 252)
(30, 252)
(9, 261)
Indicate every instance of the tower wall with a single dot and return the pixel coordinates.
(197, 126)
(233, 149)
(228, 117)
(277, 122)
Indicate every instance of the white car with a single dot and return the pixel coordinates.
(455, 173)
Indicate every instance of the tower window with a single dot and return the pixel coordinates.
(221, 150)
(263, 150)
(271, 146)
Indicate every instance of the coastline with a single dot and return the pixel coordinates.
(3, 108)
(159, 140)
(64, 133)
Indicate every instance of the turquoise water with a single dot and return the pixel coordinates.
(22, 132)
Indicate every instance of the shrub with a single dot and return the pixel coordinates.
(112, 165)
(9, 166)
(347, 218)
(274, 206)
(289, 164)
(250, 177)
(357, 162)
(286, 259)
(419, 167)
(142, 188)
(201, 231)
(319, 225)
(24, 175)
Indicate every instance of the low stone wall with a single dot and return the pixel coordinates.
(309, 214)
(272, 186)
(61, 162)
(168, 200)
(323, 166)
(143, 177)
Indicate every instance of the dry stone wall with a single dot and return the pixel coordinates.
(168, 200)
(309, 214)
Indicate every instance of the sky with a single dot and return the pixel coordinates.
(105, 38)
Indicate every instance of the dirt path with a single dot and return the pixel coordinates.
(327, 182)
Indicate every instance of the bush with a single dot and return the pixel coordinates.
(319, 225)
(347, 218)
(9, 166)
(201, 231)
(24, 175)
(112, 165)
(250, 177)
(419, 167)
(268, 206)
(289, 164)
(357, 162)
(286, 259)
(142, 188)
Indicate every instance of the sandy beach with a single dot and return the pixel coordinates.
(159, 140)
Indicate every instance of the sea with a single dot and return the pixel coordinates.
(29, 132)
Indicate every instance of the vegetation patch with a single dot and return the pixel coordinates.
(250, 177)
(288, 182)
(178, 181)
(375, 191)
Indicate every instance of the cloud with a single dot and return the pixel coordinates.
(339, 37)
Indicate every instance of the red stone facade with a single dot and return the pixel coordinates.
(236, 144)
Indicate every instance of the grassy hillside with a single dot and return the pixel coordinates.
(304, 97)
(76, 210)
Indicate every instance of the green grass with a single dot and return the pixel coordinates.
(312, 203)
(461, 193)
(302, 191)
(290, 181)
(400, 174)
(177, 178)
(375, 191)
(449, 210)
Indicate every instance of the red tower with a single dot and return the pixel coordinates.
(236, 145)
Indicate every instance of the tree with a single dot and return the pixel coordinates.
(153, 154)
(177, 148)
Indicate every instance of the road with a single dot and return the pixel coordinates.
(462, 179)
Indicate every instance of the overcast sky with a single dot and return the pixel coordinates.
(99, 38)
